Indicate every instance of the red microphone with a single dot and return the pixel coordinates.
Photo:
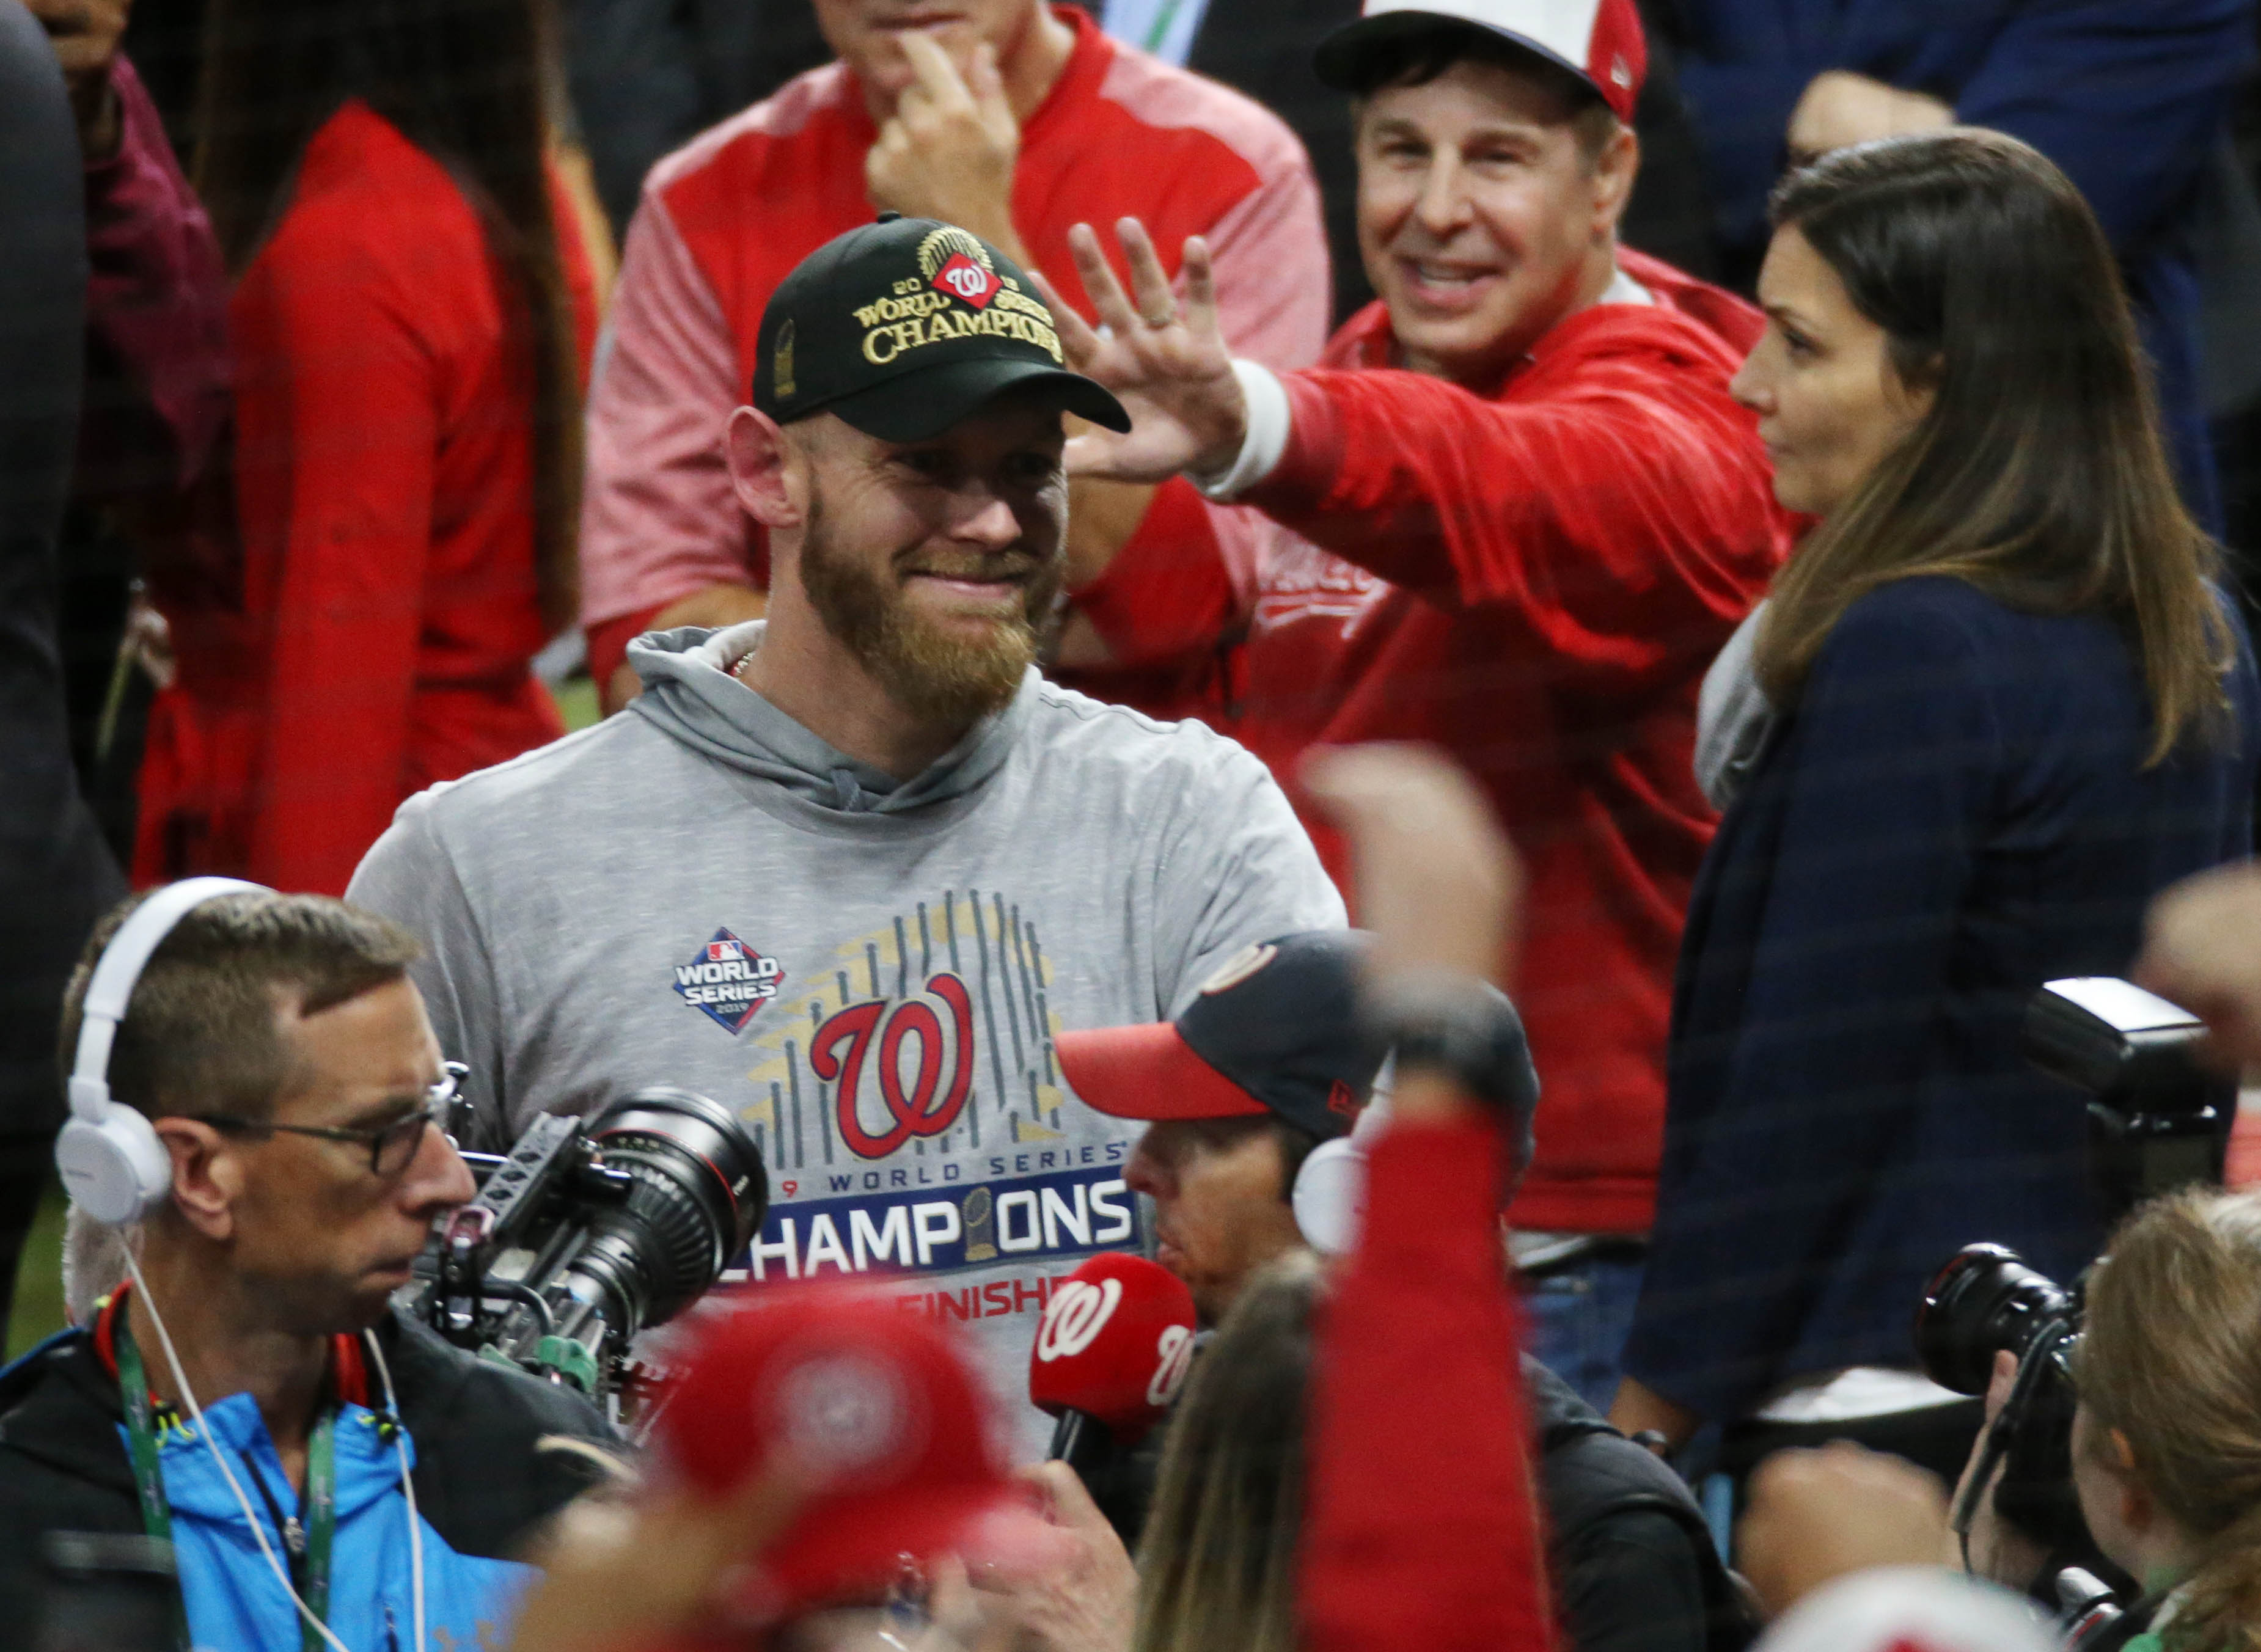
(1111, 1353)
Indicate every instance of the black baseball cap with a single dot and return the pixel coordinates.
(1276, 1030)
(905, 327)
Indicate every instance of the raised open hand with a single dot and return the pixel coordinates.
(1168, 364)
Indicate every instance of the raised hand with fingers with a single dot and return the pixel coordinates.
(948, 150)
(1167, 362)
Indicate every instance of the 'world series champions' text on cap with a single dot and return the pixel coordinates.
(905, 327)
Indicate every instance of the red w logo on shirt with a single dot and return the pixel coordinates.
(935, 1030)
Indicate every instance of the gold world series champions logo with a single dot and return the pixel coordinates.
(957, 295)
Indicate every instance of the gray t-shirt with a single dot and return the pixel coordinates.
(701, 892)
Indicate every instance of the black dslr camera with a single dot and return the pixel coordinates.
(588, 1231)
(2156, 1121)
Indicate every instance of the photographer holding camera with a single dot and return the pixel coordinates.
(256, 1085)
(2166, 1441)
(2164, 1449)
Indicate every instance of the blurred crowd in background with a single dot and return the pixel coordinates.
(392, 386)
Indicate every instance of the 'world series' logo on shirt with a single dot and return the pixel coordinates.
(729, 980)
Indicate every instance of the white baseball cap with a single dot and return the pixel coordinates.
(1599, 42)
(1892, 1608)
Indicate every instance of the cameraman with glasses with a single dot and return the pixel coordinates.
(328, 1472)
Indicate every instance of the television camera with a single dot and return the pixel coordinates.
(591, 1230)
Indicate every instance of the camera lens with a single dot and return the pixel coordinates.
(698, 1193)
(1985, 1301)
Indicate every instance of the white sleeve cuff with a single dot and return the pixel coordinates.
(1268, 426)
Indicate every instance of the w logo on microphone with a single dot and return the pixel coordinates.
(1173, 1357)
(1077, 1314)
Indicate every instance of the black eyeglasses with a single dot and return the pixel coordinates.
(392, 1147)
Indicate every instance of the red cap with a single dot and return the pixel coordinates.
(1600, 41)
(879, 1402)
(1148, 1071)
(1276, 1029)
(1115, 1342)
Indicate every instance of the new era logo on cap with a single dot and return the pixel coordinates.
(1600, 41)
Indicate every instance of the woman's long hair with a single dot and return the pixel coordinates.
(2172, 1358)
(465, 81)
(1217, 1563)
(2038, 474)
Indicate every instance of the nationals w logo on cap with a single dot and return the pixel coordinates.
(907, 327)
(1599, 42)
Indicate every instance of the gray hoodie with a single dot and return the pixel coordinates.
(702, 892)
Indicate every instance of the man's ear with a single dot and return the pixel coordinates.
(1615, 168)
(766, 473)
(208, 1174)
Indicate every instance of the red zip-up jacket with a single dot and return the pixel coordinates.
(1536, 580)
(374, 633)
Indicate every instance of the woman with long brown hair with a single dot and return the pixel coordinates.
(1217, 1557)
(1995, 703)
(411, 315)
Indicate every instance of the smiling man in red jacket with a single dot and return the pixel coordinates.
(1515, 514)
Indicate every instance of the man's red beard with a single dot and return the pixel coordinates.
(922, 667)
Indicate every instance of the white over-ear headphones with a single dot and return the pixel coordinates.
(1329, 1198)
(112, 1163)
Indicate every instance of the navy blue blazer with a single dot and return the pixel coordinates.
(1953, 813)
(2127, 95)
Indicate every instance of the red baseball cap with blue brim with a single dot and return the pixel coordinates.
(1599, 42)
(1275, 1030)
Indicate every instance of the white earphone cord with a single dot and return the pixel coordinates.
(259, 1531)
(407, 1485)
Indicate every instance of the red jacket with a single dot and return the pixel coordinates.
(1536, 580)
(373, 634)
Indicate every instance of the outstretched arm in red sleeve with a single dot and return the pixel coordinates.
(1613, 493)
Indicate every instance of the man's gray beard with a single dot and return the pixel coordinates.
(922, 670)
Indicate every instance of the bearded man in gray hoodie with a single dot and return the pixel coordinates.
(850, 868)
